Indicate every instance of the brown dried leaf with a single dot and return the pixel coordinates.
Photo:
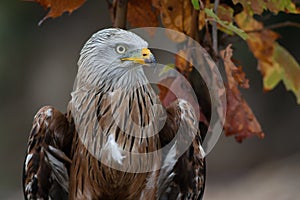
(240, 77)
(58, 7)
(176, 15)
(261, 43)
(178, 84)
(202, 16)
(140, 13)
(225, 12)
(240, 120)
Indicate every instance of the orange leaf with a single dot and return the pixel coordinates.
(58, 7)
(140, 13)
(183, 65)
(201, 20)
(240, 120)
(261, 43)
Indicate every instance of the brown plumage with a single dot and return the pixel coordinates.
(109, 144)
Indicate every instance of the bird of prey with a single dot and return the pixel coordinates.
(107, 145)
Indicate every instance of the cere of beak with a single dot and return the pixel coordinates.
(141, 56)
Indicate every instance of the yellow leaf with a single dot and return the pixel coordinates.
(276, 6)
(290, 70)
(258, 6)
(272, 74)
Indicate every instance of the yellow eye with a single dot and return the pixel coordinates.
(120, 49)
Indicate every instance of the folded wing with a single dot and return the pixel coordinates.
(45, 170)
(182, 178)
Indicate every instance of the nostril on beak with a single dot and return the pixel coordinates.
(146, 52)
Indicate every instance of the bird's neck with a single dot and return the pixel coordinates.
(116, 78)
(127, 102)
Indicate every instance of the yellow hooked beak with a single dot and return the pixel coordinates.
(142, 56)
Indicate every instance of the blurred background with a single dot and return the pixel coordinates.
(38, 67)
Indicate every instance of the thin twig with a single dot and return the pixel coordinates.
(215, 30)
(274, 26)
(121, 14)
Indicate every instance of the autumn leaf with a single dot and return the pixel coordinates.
(287, 6)
(176, 15)
(181, 86)
(140, 13)
(183, 62)
(260, 43)
(225, 13)
(58, 7)
(201, 20)
(252, 7)
(284, 68)
(275, 63)
(240, 120)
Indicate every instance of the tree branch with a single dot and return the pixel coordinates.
(274, 26)
(215, 30)
(121, 14)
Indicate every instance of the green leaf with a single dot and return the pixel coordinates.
(228, 25)
(272, 76)
(290, 70)
(284, 68)
(196, 4)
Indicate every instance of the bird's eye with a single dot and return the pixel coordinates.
(120, 49)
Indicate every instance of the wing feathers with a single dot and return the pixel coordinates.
(185, 179)
(45, 173)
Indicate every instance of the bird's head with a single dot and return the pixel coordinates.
(111, 52)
